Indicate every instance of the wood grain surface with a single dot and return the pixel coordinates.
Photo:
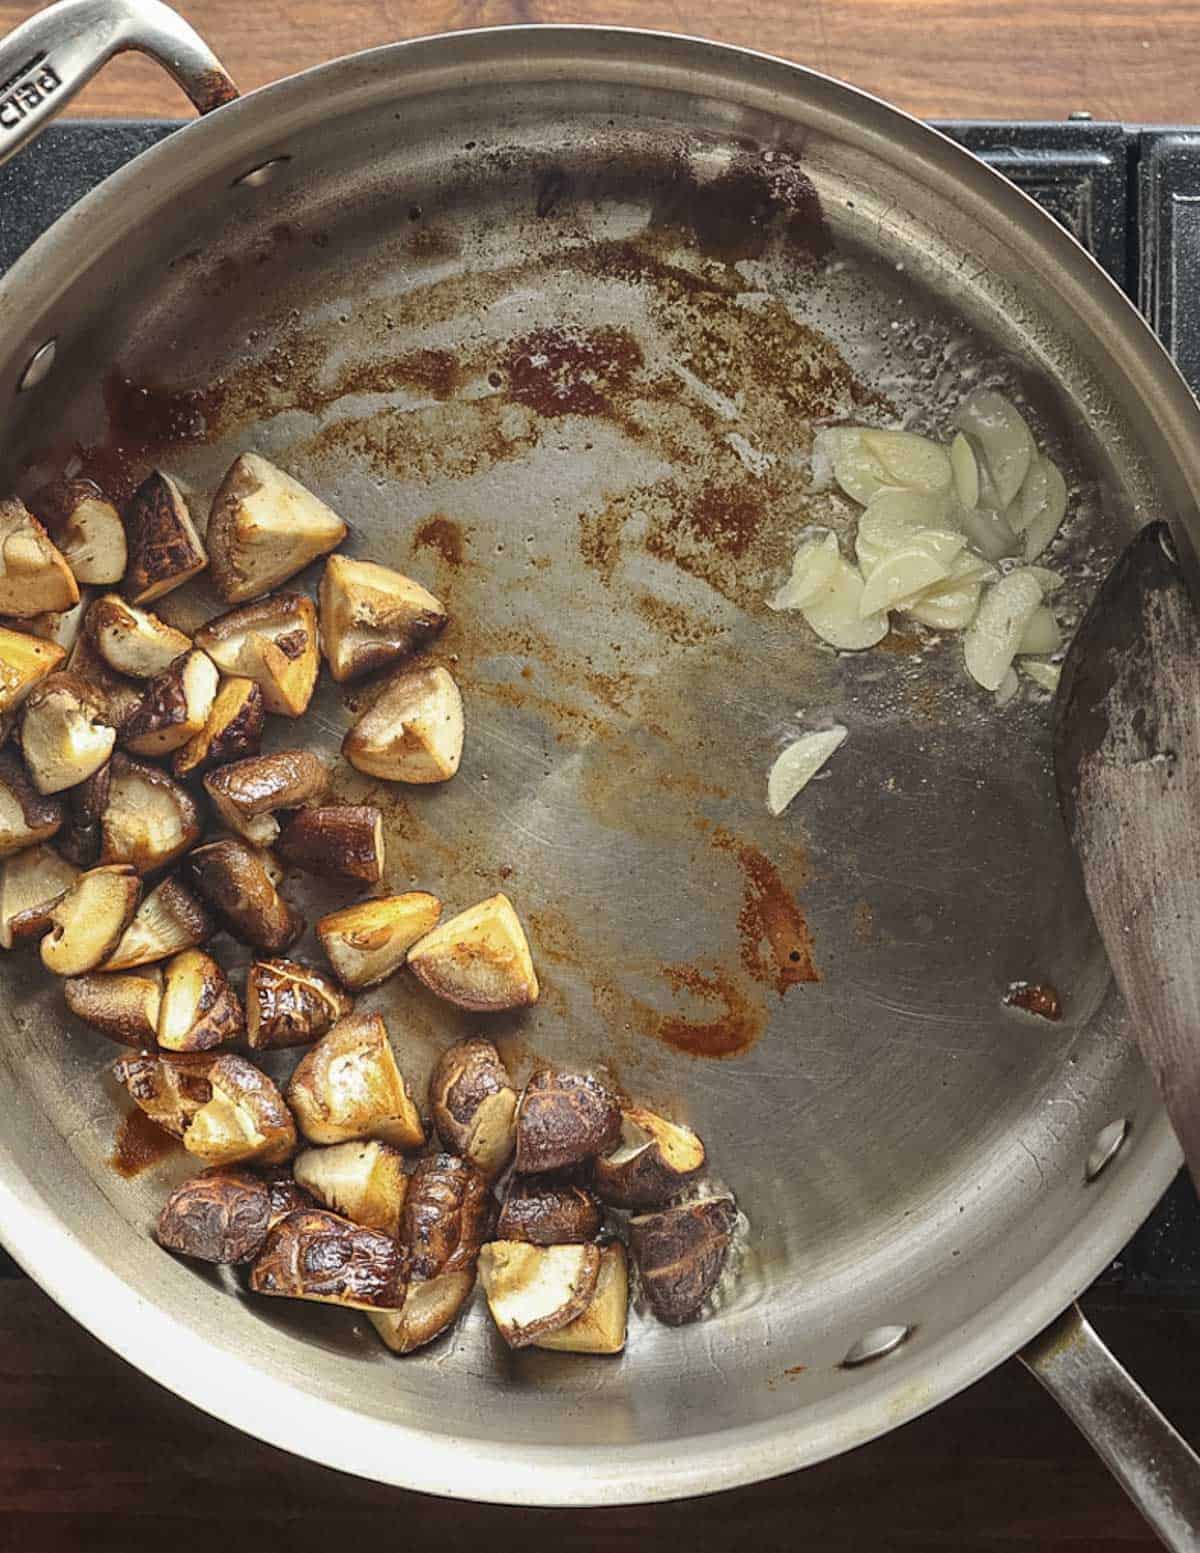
(1136, 60)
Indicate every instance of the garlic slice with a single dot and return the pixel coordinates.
(898, 520)
(798, 764)
(1050, 501)
(965, 468)
(866, 461)
(812, 570)
(835, 617)
(946, 609)
(1044, 675)
(899, 577)
(988, 531)
(1009, 686)
(1006, 442)
(994, 635)
(1041, 636)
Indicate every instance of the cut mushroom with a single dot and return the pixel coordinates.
(199, 1008)
(86, 924)
(314, 1255)
(564, 1118)
(247, 793)
(413, 732)
(474, 1106)
(123, 1006)
(601, 1327)
(235, 880)
(119, 695)
(372, 616)
(245, 1118)
(289, 1004)
(535, 1290)
(653, 1162)
(148, 819)
(222, 1216)
(364, 1182)
(171, 1093)
(64, 733)
(34, 576)
(348, 1086)
(132, 641)
(31, 884)
(168, 921)
(264, 528)
(164, 547)
(62, 627)
(368, 942)
(88, 530)
(547, 1212)
(274, 643)
(25, 662)
(287, 1196)
(174, 708)
(26, 816)
(680, 1254)
(338, 841)
(428, 1309)
(478, 960)
(232, 731)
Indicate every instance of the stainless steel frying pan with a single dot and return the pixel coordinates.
(548, 314)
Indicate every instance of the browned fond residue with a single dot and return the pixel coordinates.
(556, 373)
(140, 1145)
(796, 1369)
(1038, 998)
(141, 414)
(442, 535)
(436, 372)
(738, 1024)
(776, 942)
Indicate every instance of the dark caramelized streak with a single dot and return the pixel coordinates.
(140, 1145)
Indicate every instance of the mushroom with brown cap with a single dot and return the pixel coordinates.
(364, 1181)
(287, 1195)
(119, 695)
(149, 820)
(564, 1118)
(367, 942)
(235, 880)
(167, 922)
(65, 735)
(372, 616)
(170, 1093)
(232, 731)
(245, 1117)
(164, 547)
(274, 643)
(412, 732)
(600, 1328)
(123, 1005)
(199, 1009)
(680, 1254)
(479, 959)
(87, 529)
(535, 1290)
(87, 922)
(31, 884)
(247, 793)
(289, 1004)
(315, 1255)
(82, 835)
(264, 527)
(336, 841)
(174, 708)
(474, 1105)
(221, 1216)
(348, 1086)
(34, 576)
(653, 1162)
(26, 815)
(61, 626)
(132, 641)
(25, 661)
(549, 1212)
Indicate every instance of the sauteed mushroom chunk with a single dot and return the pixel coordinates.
(535, 1290)
(601, 1327)
(338, 841)
(122, 1005)
(34, 576)
(170, 1093)
(289, 1004)
(168, 921)
(413, 732)
(363, 1181)
(652, 1163)
(348, 1086)
(247, 793)
(680, 1254)
(232, 731)
(86, 924)
(478, 960)
(429, 1309)
(88, 530)
(314, 1255)
(245, 1118)
(164, 547)
(264, 528)
(148, 820)
(235, 880)
(199, 1009)
(174, 708)
(366, 943)
(273, 642)
(65, 735)
(26, 816)
(372, 616)
(133, 641)
(474, 1105)
(25, 662)
(221, 1216)
(548, 1212)
(119, 695)
(287, 1195)
(61, 626)
(82, 836)
(564, 1118)
(31, 883)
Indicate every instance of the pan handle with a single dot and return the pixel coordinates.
(1153, 1463)
(45, 61)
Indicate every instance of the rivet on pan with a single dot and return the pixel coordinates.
(261, 174)
(874, 1345)
(37, 369)
(1108, 1144)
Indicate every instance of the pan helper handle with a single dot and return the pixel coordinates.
(49, 57)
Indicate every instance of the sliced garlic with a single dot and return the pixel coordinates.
(1051, 508)
(946, 609)
(798, 764)
(899, 577)
(995, 634)
(898, 520)
(1041, 636)
(866, 461)
(825, 446)
(1009, 686)
(969, 567)
(999, 430)
(965, 468)
(835, 617)
(1045, 675)
(1050, 581)
(812, 570)
(988, 531)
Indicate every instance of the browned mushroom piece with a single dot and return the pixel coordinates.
(164, 547)
(199, 1008)
(34, 576)
(234, 878)
(363, 1181)
(274, 643)
(148, 820)
(547, 1212)
(168, 921)
(61, 626)
(31, 884)
(535, 1290)
(87, 528)
(119, 695)
(232, 732)
(336, 841)
(25, 662)
(174, 708)
(600, 1329)
(87, 922)
(314, 1255)
(287, 1195)
(131, 641)
(82, 836)
(26, 816)
(367, 942)
(289, 1004)
(221, 1216)
(348, 1086)
(65, 735)
(372, 616)
(474, 1105)
(247, 793)
(265, 527)
(653, 1162)
(564, 1118)
(413, 730)
(123, 1005)
(478, 960)
(244, 1119)
(680, 1254)
(171, 1093)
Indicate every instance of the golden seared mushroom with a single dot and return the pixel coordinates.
(547, 1212)
(25, 661)
(535, 1290)
(164, 547)
(244, 1119)
(148, 820)
(170, 1092)
(680, 1253)
(478, 960)
(287, 1195)
(34, 576)
(372, 616)
(31, 884)
(221, 1216)
(367, 942)
(314, 1255)
(412, 732)
(64, 733)
(174, 708)
(601, 1327)
(274, 643)
(235, 879)
(26, 816)
(336, 841)
(289, 1004)
(133, 641)
(264, 528)
(232, 731)
(122, 1005)
(82, 835)
(199, 1008)
(168, 921)
(87, 528)
(564, 1118)
(474, 1106)
(247, 793)
(364, 1182)
(62, 627)
(652, 1163)
(86, 924)
(120, 695)
(348, 1086)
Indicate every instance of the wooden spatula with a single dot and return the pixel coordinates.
(1127, 760)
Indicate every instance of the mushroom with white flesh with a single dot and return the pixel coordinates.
(652, 1164)
(289, 1004)
(199, 1009)
(62, 627)
(364, 1181)
(132, 641)
(680, 1254)
(564, 1118)
(535, 1290)
(235, 880)
(372, 616)
(547, 1211)
(120, 695)
(247, 793)
(221, 1216)
(348, 1086)
(335, 841)
(232, 731)
(34, 576)
(264, 527)
(367, 942)
(478, 960)
(167, 922)
(31, 883)
(174, 708)
(65, 736)
(316, 1255)
(412, 732)
(26, 815)
(170, 1092)
(122, 1005)
(148, 819)
(87, 923)
(87, 529)
(600, 1329)
(274, 643)
(164, 547)
(474, 1105)
(25, 661)
(245, 1118)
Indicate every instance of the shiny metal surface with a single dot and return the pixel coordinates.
(908, 1151)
